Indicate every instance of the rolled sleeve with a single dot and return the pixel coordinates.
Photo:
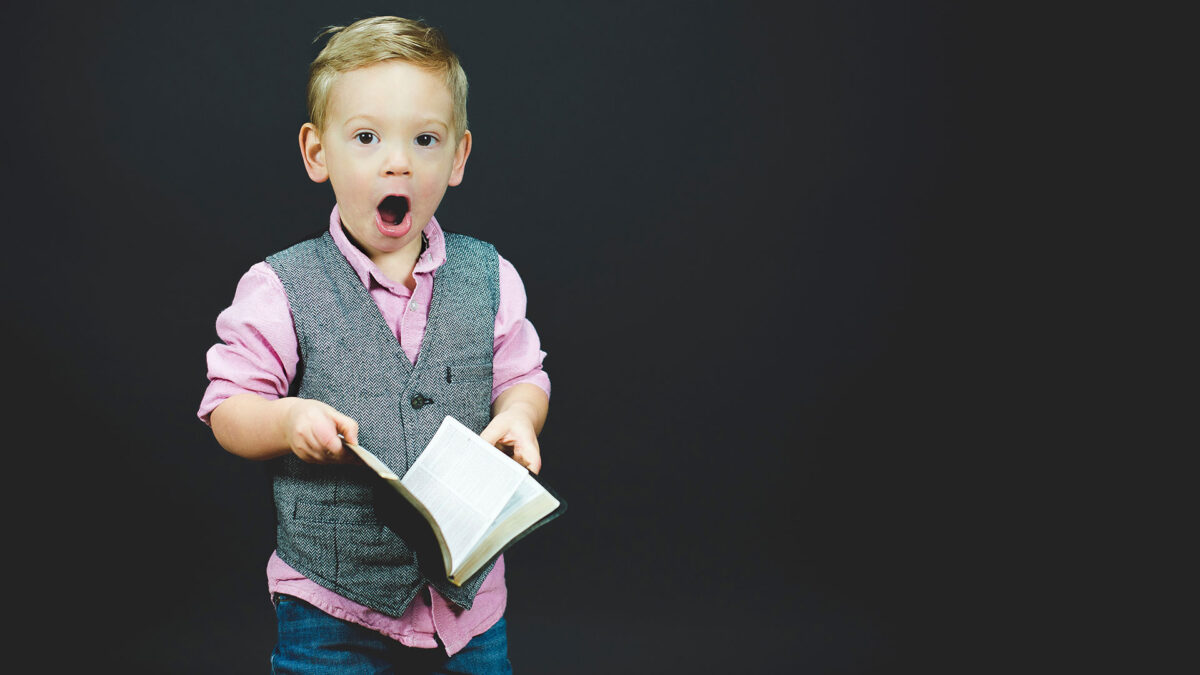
(258, 350)
(516, 352)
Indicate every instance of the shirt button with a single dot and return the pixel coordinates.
(413, 305)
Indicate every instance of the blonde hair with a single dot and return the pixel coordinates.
(385, 38)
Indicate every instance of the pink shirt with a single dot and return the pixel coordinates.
(259, 353)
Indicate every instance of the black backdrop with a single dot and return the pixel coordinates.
(745, 235)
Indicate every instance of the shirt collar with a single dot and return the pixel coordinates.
(431, 259)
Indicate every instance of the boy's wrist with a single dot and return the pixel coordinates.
(523, 400)
(518, 410)
(283, 408)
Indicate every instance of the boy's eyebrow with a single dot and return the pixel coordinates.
(372, 121)
(435, 120)
(365, 118)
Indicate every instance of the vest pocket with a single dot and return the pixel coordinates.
(316, 537)
(381, 547)
(349, 543)
(373, 560)
(359, 514)
(468, 372)
(469, 387)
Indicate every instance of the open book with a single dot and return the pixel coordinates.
(478, 500)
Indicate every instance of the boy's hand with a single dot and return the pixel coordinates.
(311, 429)
(512, 431)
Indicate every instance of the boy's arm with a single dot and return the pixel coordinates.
(257, 428)
(517, 418)
(250, 371)
(521, 390)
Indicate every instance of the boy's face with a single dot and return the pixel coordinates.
(389, 151)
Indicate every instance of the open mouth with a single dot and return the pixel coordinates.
(393, 208)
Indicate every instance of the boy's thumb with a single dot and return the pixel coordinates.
(490, 434)
(347, 427)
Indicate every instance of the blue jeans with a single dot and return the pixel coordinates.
(311, 641)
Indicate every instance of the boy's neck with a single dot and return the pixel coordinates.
(397, 266)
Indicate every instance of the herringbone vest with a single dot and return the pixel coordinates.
(328, 527)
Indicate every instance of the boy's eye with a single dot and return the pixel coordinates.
(365, 137)
(426, 140)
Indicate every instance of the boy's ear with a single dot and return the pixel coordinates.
(313, 153)
(460, 159)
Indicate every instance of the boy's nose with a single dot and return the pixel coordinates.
(396, 163)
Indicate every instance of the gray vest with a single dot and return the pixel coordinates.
(328, 525)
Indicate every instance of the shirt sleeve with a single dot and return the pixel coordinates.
(517, 351)
(258, 351)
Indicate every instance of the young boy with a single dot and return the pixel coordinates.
(375, 331)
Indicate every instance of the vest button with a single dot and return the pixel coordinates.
(418, 401)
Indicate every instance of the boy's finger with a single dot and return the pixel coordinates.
(529, 460)
(310, 447)
(527, 453)
(345, 427)
(329, 443)
(490, 434)
(322, 447)
(339, 455)
(349, 429)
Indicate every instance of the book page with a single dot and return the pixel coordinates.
(464, 483)
(527, 491)
(528, 505)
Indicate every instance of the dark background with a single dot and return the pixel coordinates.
(750, 239)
